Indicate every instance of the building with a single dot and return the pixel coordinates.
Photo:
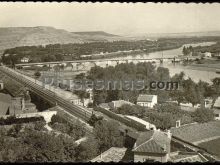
(147, 100)
(118, 103)
(152, 146)
(207, 54)
(114, 154)
(148, 125)
(217, 103)
(105, 106)
(188, 157)
(25, 59)
(15, 105)
(217, 114)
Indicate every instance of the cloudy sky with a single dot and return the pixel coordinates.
(118, 18)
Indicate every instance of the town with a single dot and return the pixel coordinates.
(46, 114)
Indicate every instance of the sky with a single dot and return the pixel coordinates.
(116, 18)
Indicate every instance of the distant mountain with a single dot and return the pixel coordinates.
(96, 33)
(185, 34)
(42, 35)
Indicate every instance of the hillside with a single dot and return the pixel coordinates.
(41, 35)
(96, 33)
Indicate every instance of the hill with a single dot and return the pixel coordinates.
(96, 33)
(27, 36)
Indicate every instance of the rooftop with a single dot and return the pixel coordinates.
(197, 132)
(114, 154)
(145, 98)
(119, 103)
(152, 142)
(217, 103)
(188, 158)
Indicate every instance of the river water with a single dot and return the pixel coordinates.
(195, 73)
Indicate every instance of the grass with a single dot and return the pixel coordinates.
(212, 146)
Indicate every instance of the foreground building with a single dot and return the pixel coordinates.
(152, 146)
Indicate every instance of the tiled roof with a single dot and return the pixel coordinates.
(196, 132)
(217, 103)
(187, 158)
(114, 154)
(150, 146)
(152, 142)
(145, 98)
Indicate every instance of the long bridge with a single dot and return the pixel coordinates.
(76, 110)
(107, 61)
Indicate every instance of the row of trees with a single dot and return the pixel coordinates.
(188, 91)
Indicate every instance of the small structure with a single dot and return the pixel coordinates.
(25, 60)
(152, 146)
(147, 100)
(148, 125)
(114, 154)
(105, 106)
(118, 103)
(217, 114)
(207, 54)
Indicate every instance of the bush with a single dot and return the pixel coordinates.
(39, 125)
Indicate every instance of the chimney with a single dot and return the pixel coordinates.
(169, 135)
(178, 124)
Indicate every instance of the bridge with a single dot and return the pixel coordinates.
(106, 61)
(76, 110)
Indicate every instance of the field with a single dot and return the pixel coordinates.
(212, 146)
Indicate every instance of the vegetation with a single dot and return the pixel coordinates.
(59, 52)
(14, 120)
(75, 130)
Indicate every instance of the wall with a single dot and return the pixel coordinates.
(141, 157)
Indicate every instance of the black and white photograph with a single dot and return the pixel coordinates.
(109, 82)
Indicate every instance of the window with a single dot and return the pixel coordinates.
(216, 115)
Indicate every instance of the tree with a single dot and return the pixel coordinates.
(202, 115)
(37, 74)
(178, 94)
(87, 149)
(108, 135)
(190, 92)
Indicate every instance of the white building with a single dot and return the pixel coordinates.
(118, 103)
(207, 54)
(147, 100)
(148, 125)
(25, 59)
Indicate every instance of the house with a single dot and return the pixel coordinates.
(196, 133)
(148, 125)
(25, 59)
(207, 54)
(114, 154)
(217, 103)
(118, 103)
(217, 114)
(147, 100)
(152, 146)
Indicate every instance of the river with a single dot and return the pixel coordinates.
(195, 73)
